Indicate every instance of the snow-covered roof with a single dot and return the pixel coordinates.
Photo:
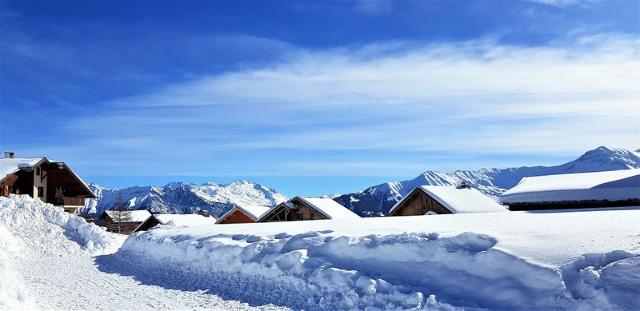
(608, 185)
(136, 216)
(9, 166)
(254, 211)
(184, 220)
(328, 207)
(458, 200)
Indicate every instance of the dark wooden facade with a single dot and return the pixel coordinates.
(293, 210)
(419, 203)
(113, 226)
(51, 182)
(236, 217)
(571, 205)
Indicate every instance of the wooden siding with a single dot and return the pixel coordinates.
(301, 212)
(236, 217)
(419, 203)
(123, 228)
(148, 224)
(571, 205)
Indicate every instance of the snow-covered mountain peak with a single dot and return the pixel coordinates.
(179, 197)
(619, 158)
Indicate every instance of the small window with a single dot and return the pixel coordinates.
(38, 171)
(41, 192)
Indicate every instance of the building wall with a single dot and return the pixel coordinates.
(236, 217)
(124, 228)
(419, 203)
(571, 205)
(39, 182)
(301, 212)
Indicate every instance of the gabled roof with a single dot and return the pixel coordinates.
(457, 200)
(9, 166)
(254, 212)
(184, 220)
(328, 207)
(136, 216)
(607, 185)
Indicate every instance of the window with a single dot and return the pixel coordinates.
(38, 171)
(41, 192)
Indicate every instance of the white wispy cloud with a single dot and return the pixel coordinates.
(474, 96)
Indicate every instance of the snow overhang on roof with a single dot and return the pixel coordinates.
(457, 199)
(595, 186)
(328, 207)
(10, 166)
(254, 212)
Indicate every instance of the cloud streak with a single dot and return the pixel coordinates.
(401, 97)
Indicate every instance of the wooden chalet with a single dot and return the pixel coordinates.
(431, 200)
(568, 191)
(305, 208)
(127, 222)
(48, 180)
(243, 214)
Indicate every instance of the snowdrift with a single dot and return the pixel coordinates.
(317, 270)
(35, 223)
(26, 225)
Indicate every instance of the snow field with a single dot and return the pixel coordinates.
(513, 260)
(320, 271)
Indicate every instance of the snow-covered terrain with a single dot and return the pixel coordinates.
(378, 200)
(182, 198)
(51, 260)
(559, 260)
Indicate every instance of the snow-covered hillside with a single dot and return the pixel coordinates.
(377, 200)
(184, 198)
(558, 260)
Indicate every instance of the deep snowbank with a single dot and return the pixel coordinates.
(13, 294)
(27, 224)
(38, 224)
(320, 270)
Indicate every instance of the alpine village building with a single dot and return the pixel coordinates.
(127, 222)
(48, 180)
(618, 188)
(431, 200)
(242, 214)
(306, 208)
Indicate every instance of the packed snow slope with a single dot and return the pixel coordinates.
(47, 262)
(183, 198)
(558, 260)
(378, 200)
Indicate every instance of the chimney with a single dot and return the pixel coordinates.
(9, 155)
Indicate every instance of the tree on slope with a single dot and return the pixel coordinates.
(122, 213)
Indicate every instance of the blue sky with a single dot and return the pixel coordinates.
(314, 97)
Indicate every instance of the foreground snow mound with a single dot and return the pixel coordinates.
(318, 271)
(38, 224)
(13, 295)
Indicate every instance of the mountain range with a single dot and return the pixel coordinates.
(377, 200)
(183, 198)
(217, 198)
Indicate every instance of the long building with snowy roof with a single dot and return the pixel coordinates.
(583, 190)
